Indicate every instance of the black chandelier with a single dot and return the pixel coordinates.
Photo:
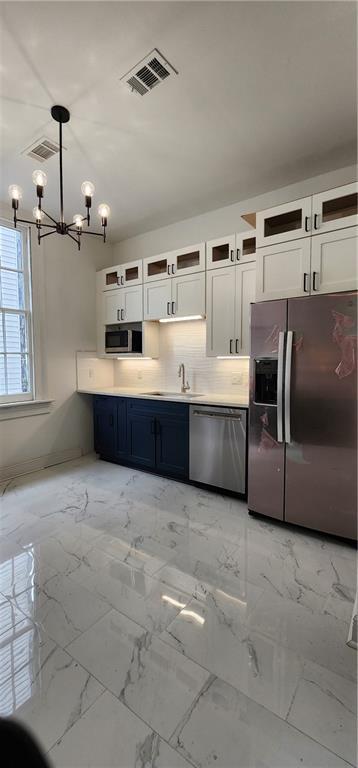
(74, 230)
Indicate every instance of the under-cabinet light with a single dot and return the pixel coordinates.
(180, 319)
(136, 359)
(233, 357)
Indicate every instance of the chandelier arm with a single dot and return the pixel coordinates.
(49, 217)
(26, 221)
(86, 232)
(47, 234)
(71, 236)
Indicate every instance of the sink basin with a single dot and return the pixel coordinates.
(172, 394)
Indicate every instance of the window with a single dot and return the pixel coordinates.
(16, 363)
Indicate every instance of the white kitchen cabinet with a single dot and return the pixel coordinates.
(291, 221)
(123, 305)
(122, 275)
(335, 208)
(220, 252)
(183, 261)
(175, 297)
(220, 311)
(245, 296)
(157, 297)
(229, 295)
(188, 295)
(334, 261)
(231, 250)
(283, 270)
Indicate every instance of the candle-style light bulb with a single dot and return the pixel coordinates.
(37, 214)
(39, 178)
(104, 211)
(87, 188)
(15, 193)
(77, 220)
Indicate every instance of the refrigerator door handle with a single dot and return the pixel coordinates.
(288, 365)
(281, 347)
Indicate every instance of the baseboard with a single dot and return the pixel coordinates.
(41, 462)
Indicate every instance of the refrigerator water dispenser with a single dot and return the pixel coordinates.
(266, 381)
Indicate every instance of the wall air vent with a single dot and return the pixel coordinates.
(148, 73)
(42, 150)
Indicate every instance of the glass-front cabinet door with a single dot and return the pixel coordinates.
(111, 278)
(246, 246)
(156, 268)
(221, 252)
(282, 223)
(185, 261)
(335, 208)
(132, 273)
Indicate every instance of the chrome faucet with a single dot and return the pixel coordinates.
(181, 372)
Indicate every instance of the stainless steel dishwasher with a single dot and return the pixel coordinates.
(218, 446)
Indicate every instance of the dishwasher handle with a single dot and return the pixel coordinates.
(218, 415)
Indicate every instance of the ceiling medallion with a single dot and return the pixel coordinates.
(74, 230)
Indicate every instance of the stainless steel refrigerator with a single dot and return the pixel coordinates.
(303, 412)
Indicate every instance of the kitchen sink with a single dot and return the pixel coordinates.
(172, 394)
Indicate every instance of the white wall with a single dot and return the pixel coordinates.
(223, 221)
(64, 286)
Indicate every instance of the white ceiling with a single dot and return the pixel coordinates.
(265, 96)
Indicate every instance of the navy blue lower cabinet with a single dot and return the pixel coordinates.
(121, 441)
(141, 433)
(105, 416)
(172, 444)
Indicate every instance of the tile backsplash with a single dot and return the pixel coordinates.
(185, 343)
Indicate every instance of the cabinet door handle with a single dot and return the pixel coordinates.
(237, 346)
(315, 286)
(152, 427)
(122, 280)
(173, 307)
(168, 268)
(173, 269)
(307, 223)
(118, 314)
(238, 254)
(168, 307)
(232, 255)
(316, 221)
(305, 283)
(111, 420)
(230, 346)
(122, 314)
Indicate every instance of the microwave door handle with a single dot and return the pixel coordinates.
(281, 350)
(288, 367)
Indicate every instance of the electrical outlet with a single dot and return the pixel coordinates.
(236, 379)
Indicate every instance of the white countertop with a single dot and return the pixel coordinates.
(202, 399)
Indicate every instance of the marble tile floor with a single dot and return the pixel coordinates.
(148, 624)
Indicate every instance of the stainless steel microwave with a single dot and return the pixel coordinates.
(122, 340)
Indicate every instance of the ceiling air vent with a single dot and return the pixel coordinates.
(42, 150)
(148, 73)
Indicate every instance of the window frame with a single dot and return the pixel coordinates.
(27, 311)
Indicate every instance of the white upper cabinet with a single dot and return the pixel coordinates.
(186, 261)
(220, 314)
(188, 295)
(183, 261)
(245, 296)
(334, 261)
(231, 250)
(157, 298)
(283, 271)
(123, 305)
(122, 275)
(282, 223)
(246, 247)
(221, 252)
(335, 208)
(229, 295)
(178, 297)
